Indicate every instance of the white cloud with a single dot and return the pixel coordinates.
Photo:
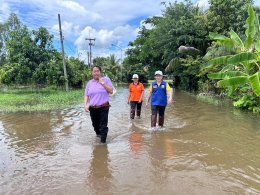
(109, 22)
(104, 38)
(204, 4)
(4, 11)
(69, 30)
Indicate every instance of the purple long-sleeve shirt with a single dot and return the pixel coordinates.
(96, 93)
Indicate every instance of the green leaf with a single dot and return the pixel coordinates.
(219, 60)
(234, 81)
(250, 31)
(255, 83)
(226, 75)
(257, 46)
(234, 36)
(257, 25)
(242, 57)
(216, 36)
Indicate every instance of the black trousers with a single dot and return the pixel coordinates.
(135, 105)
(155, 110)
(158, 109)
(99, 118)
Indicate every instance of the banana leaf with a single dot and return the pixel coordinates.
(241, 57)
(234, 81)
(257, 46)
(255, 83)
(250, 31)
(219, 60)
(226, 75)
(221, 39)
(216, 36)
(234, 36)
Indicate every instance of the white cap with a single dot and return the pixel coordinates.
(158, 72)
(135, 76)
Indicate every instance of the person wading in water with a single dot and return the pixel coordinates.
(135, 97)
(160, 95)
(96, 100)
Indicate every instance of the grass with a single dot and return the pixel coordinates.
(15, 100)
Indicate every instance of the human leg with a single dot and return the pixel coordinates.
(133, 106)
(161, 115)
(94, 115)
(153, 116)
(139, 108)
(103, 121)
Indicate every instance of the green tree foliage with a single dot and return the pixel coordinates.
(30, 58)
(110, 67)
(240, 69)
(226, 15)
(181, 24)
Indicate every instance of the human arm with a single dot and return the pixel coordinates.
(106, 85)
(148, 99)
(141, 97)
(149, 96)
(86, 106)
(169, 94)
(129, 96)
(142, 94)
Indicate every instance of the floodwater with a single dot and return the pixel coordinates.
(204, 149)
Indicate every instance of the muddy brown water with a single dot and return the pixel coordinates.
(204, 149)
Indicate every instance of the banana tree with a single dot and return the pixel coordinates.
(241, 66)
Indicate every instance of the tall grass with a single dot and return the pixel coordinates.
(13, 100)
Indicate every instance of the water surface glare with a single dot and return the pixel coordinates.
(203, 149)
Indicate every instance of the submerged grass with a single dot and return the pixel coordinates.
(15, 100)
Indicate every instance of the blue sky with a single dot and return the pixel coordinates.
(108, 21)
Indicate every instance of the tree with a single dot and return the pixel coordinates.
(226, 15)
(240, 69)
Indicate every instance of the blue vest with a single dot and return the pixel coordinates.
(159, 94)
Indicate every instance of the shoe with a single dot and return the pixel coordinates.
(139, 117)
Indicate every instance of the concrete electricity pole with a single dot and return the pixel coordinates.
(63, 57)
(90, 52)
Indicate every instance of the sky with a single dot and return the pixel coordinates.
(113, 23)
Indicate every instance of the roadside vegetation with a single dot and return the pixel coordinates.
(31, 99)
(205, 51)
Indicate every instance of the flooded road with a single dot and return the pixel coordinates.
(204, 149)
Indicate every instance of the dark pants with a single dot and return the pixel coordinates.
(135, 105)
(155, 111)
(99, 118)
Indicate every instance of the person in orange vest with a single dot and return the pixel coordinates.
(135, 97)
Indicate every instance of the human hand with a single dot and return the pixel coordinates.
(170, 101)
(86, 108)
(146, 105)
(100, 80)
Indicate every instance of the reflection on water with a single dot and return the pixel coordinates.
(99, 177)
(203, 149)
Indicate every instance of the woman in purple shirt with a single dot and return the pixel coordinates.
(96, 101)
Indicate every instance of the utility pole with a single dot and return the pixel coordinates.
(63, 57)
(90, 52)
(88, 59)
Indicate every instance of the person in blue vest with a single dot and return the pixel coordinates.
(160, 95)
